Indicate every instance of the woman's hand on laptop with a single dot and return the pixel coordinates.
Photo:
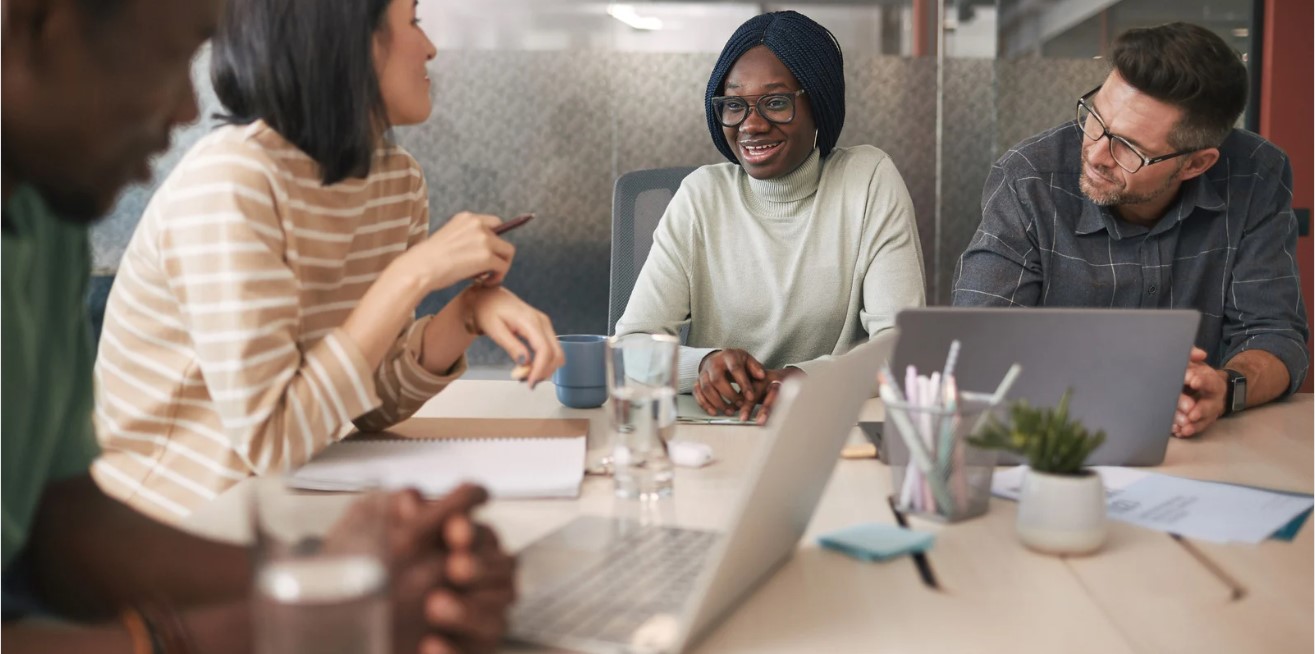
(1202, 399)
(718, 371)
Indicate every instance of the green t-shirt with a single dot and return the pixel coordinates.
(45, 411)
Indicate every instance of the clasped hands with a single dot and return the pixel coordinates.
(451, 583)
(732, 382)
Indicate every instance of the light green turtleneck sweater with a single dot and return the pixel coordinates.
(792, 270)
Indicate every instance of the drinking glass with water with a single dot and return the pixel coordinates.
(321, 581)
(641, 380)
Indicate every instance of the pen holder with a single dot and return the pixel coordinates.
(935, 473)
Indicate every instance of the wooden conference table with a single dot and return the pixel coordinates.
(1145, 591)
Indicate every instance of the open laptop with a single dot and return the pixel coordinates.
(1125, 366)
(606, 585)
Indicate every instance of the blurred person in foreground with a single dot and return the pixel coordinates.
(92, 89)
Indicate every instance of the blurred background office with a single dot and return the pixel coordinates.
(541, 104)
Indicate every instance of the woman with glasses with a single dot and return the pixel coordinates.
(794, 251)
(265, 305)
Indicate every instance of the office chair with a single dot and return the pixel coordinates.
(638, 202)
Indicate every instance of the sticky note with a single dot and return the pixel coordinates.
(876, 542)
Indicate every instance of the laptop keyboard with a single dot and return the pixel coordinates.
(644, 573)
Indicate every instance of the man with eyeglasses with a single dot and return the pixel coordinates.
(1151, 199)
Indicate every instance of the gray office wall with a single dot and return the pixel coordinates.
(550, 131)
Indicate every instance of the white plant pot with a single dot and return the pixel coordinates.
(1062, 514)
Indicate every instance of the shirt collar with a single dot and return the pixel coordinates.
(1196, 193)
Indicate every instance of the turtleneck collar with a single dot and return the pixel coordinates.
(777, 197)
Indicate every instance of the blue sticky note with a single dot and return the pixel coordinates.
(876, 542)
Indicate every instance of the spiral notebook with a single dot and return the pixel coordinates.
(511, 458)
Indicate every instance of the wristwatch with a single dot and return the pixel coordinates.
(1236, 398)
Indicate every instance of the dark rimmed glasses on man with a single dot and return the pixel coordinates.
(778, 108)
(1124, 153)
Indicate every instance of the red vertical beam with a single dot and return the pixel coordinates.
(925, 29)
(1286, 117)
(1105, 39)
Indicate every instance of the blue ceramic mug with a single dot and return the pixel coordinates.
(582, 381)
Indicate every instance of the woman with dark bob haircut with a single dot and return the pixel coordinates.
(794, 251)
(265, 305)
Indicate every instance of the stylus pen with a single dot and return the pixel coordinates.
(919, 558)
(503, 229)
(513, 223)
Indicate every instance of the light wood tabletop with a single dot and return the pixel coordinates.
(1145, 591)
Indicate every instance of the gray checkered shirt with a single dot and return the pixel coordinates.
(1226, 247)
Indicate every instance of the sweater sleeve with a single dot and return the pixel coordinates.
(224, 250)
(660, 301)
(402, 383)
(894, 279)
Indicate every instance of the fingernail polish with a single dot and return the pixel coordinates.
(521, 359)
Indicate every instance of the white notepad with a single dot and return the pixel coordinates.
(511, 458)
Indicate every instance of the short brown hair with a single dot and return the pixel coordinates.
(1189, 67)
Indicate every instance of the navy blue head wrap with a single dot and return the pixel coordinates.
(812, 55)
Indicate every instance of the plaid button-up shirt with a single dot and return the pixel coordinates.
(1226, 247)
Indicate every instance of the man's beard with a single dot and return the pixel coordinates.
(1118, 196)
(74, 207)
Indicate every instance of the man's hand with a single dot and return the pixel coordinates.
(1202, 399)
(452, 583)
(713, 390)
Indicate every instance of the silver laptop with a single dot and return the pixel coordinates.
(1125, 366)
(606, 585)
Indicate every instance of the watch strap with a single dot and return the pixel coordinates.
(1235, 381)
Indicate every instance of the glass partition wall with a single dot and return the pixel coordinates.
(541, 104)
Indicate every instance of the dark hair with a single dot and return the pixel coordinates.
(1189, 67)
(101, 10)
(305, 67)
(811, 53)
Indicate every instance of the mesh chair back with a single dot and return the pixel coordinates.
(638, 202)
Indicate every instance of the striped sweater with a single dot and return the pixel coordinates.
(222, 354)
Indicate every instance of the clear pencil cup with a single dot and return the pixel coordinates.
(935, 472)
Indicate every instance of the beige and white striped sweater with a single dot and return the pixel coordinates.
(222, 354)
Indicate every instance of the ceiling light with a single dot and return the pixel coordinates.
(628, 15)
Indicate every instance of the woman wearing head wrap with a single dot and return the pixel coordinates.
(794, 251)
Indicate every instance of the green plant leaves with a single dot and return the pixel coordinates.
(1048, 438)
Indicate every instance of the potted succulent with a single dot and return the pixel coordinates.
(1062, 508)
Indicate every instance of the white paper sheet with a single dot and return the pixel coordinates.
(1203, 510)
(509, 468)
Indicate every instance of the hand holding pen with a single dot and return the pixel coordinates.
(468, 247)
(465, 247)
(488, 279)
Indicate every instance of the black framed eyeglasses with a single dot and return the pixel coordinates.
(778, 108)
(1124, 153)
